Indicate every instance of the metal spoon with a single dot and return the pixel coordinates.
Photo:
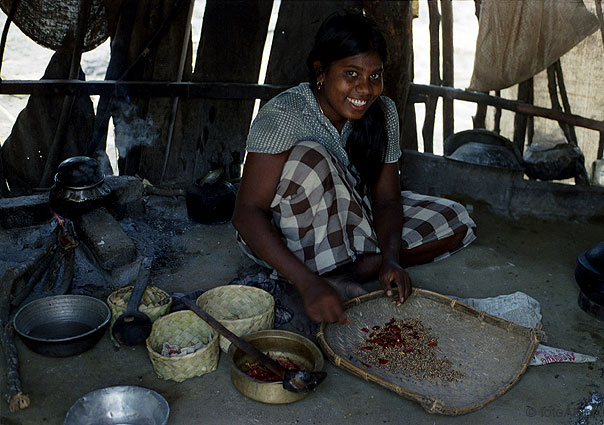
(296, 381)
(134, 327)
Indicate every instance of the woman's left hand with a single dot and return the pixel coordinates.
(393, 276)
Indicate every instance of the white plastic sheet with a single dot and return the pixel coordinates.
(524, 310)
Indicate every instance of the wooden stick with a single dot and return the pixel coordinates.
(555, 81)
(428, 128)
(420, 92)
(448, 80)
(525, 94)
(600, 17)
(54, 152)
(40, 267)
(181, 66)
(14, 396)
(497, 126)
(564, 97)
(552, 88)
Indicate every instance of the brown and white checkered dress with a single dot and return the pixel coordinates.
(326, 221)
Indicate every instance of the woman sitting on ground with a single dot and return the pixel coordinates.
(320, 201)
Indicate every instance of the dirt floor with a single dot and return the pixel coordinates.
(528, 255)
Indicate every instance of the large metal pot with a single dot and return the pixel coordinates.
(62, 325)
(79, 187)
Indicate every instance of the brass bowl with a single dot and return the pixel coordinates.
(280, 345)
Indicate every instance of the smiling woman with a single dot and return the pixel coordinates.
(320, 202)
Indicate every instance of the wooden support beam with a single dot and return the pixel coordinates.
(435, 80)
(420, 93)
(448, 80)
(141, 89)
(525, 95)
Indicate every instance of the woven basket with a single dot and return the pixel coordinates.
(150, 303)
(183, 328)
(491, 352)
(241, 309)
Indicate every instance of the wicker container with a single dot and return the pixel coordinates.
(150, 304)
(241, 309)
(183, 328)
(491, 352)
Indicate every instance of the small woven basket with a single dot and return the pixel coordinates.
(183, 328)
(241, 309)
(150, 303)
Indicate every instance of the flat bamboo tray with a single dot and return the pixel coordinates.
(491, 352)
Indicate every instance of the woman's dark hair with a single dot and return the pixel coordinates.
(343, 34)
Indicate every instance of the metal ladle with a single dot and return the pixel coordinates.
(134, 327)
(296, 381)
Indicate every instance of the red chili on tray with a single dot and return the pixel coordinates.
(365, 330)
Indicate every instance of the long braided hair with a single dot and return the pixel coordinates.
(347, 33)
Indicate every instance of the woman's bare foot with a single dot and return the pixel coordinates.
(346, 287)
(292, 299)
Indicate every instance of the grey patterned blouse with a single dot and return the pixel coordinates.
(294, 116)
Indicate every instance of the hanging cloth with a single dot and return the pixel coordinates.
(518, 39)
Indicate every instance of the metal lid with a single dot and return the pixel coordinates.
(79, 172)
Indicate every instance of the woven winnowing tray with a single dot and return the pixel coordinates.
(491, 352)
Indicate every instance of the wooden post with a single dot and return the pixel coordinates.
(478, 120)
(565, 103)
(553, 95)
(230, 49)
(448, 80)
(497, 126)
(395, 19)
(525, 94)
(600, 17)
(434, 27)
(117, 65)
(54, 152)
(181, 66)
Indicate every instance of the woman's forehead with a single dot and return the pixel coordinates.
(369, 61)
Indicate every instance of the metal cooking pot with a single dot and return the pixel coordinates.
(62, 325)
(589, 273)
(211, 201)
(79, 187)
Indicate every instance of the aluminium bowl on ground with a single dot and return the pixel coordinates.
(62, 325)
(119, 405)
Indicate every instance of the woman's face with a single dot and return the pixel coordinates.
(349, 86)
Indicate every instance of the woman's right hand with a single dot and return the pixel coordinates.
(322, 303)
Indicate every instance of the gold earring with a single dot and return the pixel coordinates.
(319, 85)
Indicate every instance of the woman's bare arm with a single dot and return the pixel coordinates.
(251, 218)
(388, 221)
